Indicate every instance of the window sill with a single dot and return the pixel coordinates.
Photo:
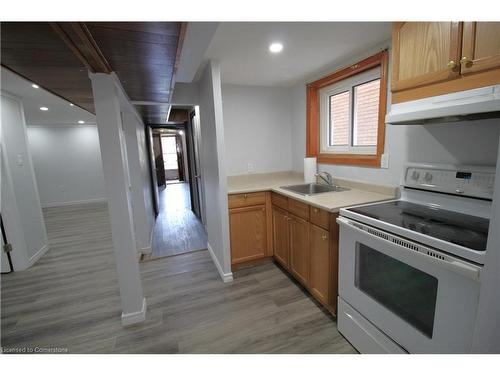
(362, 160)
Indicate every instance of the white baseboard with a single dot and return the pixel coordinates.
(135, 317)
(71, 203)
(226, 277)
(38, 254)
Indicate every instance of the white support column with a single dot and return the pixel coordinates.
(114, 163)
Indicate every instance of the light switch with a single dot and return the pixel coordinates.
(20, 160)
(250, 167)
(384, 161)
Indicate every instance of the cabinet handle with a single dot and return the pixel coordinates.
(323, 236)
(315, 210)
(452, 64)
(245, 196)
(466, 61)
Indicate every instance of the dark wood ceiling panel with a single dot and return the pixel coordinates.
(153, 114)
(143, 55)
(34, 50)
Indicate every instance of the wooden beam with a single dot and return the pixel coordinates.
(180, 42)
(80, 41)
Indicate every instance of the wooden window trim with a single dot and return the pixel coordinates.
(312, 116)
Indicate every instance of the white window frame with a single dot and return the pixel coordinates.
(325, 93)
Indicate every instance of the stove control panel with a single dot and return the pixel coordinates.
(477, 182)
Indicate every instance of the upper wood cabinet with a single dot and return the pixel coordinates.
(437, 58)
(480, 47)
(424, 53)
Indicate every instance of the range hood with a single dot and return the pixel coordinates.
(472, 104)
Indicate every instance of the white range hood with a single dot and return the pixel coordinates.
(473, 104)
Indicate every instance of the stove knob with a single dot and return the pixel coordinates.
(428, 177)
(415, 175)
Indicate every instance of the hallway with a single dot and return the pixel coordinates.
(177, 229)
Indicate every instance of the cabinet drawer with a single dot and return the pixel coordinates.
(320, 217)
(246, 199)
(279, 200)
(298, 208)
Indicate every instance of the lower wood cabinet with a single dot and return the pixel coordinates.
(301, 238)
(299, 248)
(320, 281)
(248, 230)
(280, 237)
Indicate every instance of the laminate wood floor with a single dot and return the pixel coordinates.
(70, 300)
(177, 229)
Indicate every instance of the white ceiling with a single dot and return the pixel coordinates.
(309, 47)
(60, 112)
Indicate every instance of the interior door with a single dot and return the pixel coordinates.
(158, 157)
(480, 47)
(195, 123)
(180, 157)
(424, 53)
(152, 166)
(193, 181)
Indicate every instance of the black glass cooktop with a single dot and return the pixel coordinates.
(464, 230)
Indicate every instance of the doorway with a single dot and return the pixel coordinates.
(179, 224)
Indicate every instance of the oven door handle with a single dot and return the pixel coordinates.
(465, 269)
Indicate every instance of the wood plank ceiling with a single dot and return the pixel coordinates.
(56, 56)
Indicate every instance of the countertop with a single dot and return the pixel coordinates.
(359, 193)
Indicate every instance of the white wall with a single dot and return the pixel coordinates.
(214, 169)
(67, 162)
(461, 143)
(257, 128)
(20, 203)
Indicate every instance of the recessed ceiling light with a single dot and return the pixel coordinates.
(81, 122)
(275, 47)
(71, 104)
(35, 86)
(44, 109)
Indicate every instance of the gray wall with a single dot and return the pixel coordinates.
(67, 162)
(214, 169)
(257, 128)
(20, 204)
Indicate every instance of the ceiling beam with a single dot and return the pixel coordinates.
(80, 41)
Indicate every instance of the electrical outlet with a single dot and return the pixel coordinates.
(250, 167)
(384, 161)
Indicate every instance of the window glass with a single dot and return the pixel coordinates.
(339, 119)
(365, 121)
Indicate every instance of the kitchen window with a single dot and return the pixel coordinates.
(346, 112)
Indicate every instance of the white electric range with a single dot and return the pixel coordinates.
(410, 269)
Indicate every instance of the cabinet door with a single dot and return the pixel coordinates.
(424, 53)
(248, 233)
(320, 276)
(299, 248)
(480, 47)
(280, 236)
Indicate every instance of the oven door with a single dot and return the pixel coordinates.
(423, 299)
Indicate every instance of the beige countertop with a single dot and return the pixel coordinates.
(359, 193)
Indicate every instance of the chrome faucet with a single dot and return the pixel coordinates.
(327, 177)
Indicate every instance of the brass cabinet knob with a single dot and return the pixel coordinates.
(466, 61)
(245, 196)
(315, 210)
(323, 237)
(451, 64)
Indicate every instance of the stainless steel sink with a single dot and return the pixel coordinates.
(313, 189)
